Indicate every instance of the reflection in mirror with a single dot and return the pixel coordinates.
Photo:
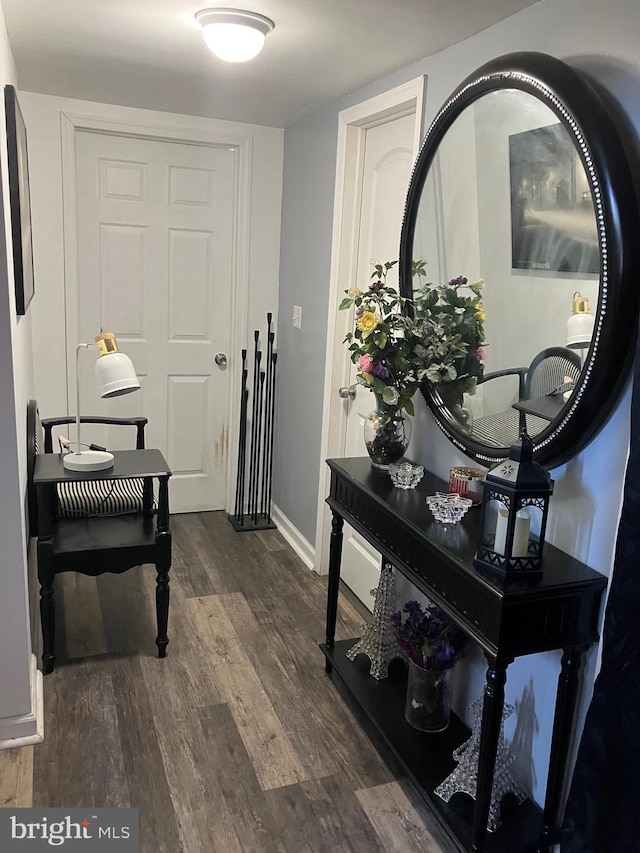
(506, 199)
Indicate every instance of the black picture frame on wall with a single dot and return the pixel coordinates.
(20, 201)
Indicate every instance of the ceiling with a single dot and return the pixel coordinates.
(150, 53)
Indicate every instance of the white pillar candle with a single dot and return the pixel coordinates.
(501, 532)
(521, 534)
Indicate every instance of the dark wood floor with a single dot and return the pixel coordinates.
(237, 741)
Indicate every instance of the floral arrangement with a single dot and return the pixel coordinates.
(449, 323)
(429, 637)
(383, 343)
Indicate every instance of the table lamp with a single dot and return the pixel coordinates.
(115, 375)
(580, 323)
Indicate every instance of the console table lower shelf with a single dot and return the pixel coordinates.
(427, 758)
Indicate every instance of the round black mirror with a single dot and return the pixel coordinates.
(523, 182)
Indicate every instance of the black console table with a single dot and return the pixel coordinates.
(506, 618)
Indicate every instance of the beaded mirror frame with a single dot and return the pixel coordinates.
(610, 163)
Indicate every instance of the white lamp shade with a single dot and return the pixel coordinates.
(234, 35)
(580, 324)
(579, 330)
(115, 375)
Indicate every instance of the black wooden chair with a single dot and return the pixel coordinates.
(130, 501)
(552, 372)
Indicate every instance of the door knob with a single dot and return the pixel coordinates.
(220, 359)
(347, 392)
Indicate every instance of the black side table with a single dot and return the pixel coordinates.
(96, 544)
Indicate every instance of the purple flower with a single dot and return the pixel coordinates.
(430, 638)
(458, 282)
(376, 285)
(381, 371)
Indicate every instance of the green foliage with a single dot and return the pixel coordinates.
(382, 343)
(440, 343)
(449, 323)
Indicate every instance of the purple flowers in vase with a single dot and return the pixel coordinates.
(429, 637)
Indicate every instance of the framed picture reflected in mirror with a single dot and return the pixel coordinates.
(19, 200)
(553, 222)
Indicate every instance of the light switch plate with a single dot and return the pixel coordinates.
(297, 317)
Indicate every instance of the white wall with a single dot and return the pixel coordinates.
(601, 40)
(44, 115)
(18, 683)
(307, 221)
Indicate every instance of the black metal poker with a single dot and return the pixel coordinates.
(257, 357)
(272, 409)
(256, 479)
(267, 419)
(242, 439)
(238, 504)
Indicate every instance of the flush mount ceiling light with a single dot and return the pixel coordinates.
(232, 34)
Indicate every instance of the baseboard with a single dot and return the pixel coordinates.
(28, 728)
(300, 545)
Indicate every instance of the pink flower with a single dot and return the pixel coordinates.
(480, 354)
(365, 363)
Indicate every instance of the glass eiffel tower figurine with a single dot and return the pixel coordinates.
(377, 642)
(464, 777)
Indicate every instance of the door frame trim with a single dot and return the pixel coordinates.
(72, 123)
(353, 124)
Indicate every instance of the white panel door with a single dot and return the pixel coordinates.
(155, 224)
(388, 161)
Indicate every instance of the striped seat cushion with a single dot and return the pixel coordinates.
(503, 428)
(100, 497)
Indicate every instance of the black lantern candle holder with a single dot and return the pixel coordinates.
(515, 504)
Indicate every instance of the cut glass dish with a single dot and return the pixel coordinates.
(448, 508)
(405, 475)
